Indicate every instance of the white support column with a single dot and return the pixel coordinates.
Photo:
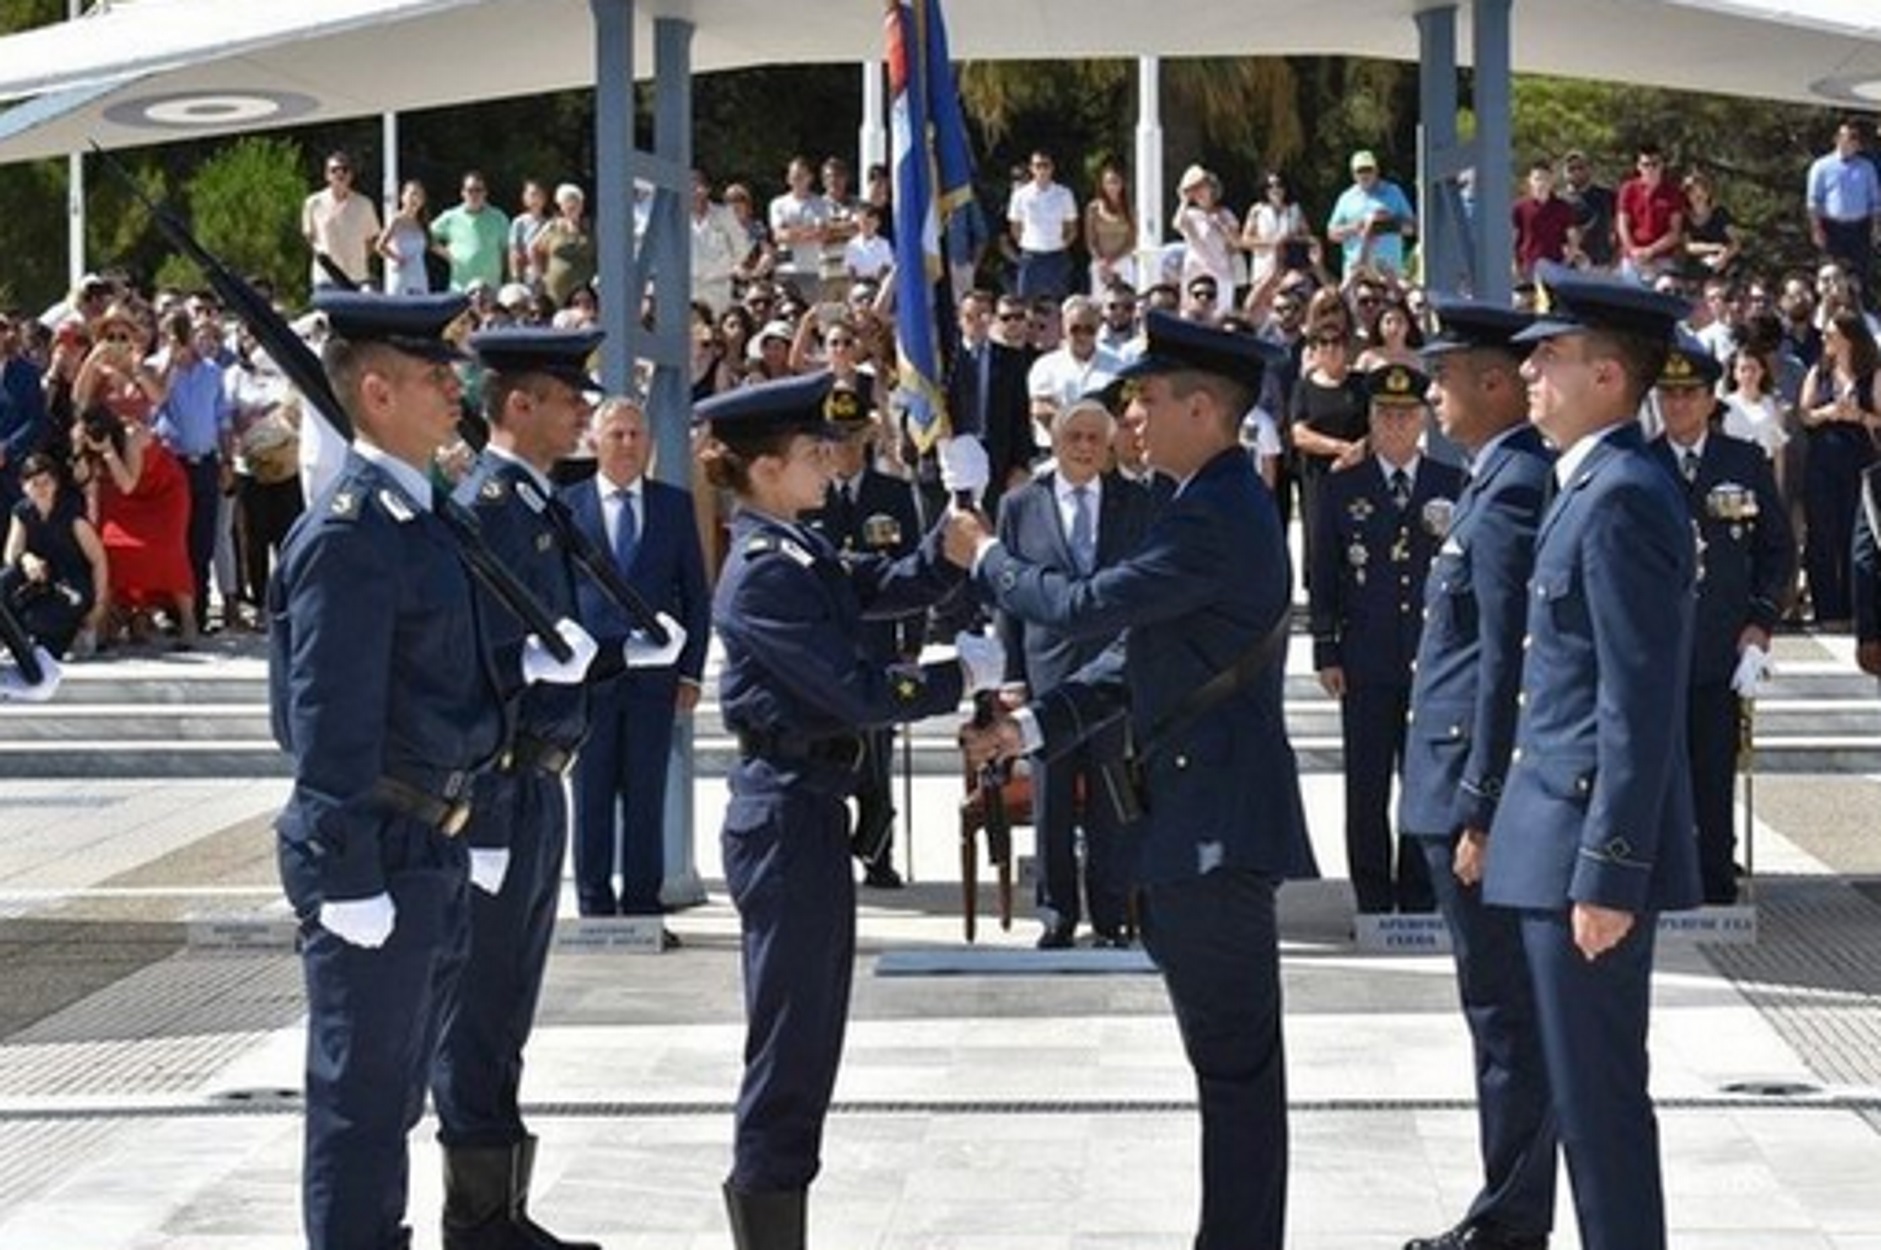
(389, 176)
(74, 192)
(872, 137)
(1149, 171)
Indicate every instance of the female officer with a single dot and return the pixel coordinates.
(796, 687)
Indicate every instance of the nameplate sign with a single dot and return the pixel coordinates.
(1426, 934)
(638, 935)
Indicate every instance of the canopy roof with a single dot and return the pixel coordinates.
(151, 71)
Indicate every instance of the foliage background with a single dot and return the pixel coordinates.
(1242, 116)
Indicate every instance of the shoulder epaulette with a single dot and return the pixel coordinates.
(764, 544)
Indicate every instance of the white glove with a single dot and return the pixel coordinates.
(363, 922)
(984, 658)
(539, 665)
(643, 652)
(14, 687)
(488, 867)
(963, 465)
(1754, 668)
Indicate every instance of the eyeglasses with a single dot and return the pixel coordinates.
(839, 341)
(339, 169)
(1648, 162)
(1012, 316)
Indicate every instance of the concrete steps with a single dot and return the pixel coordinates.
(206, 715)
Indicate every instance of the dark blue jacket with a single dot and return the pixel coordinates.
(378, 665)
(1469, 662)
(1369, 562)
(1747, 557)
(1208, 581)
(668, 571)
(1598, 803)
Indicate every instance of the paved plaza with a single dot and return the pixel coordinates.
(147, 1083)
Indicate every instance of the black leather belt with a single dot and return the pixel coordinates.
(448, 812)
(843, 750)
(532, 754)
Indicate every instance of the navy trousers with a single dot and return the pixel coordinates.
(1057, 819)
(1214, 939)
(373, 1020)
(786, 855)
(620, 801)
(1514, 1115)
(1712, 740)
(1593, 1017)
(205, 504)
(1372, 721)
(477, 1077)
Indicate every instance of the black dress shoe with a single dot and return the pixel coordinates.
(1057, 938)
(1111, 939)
(882, 876)
(669, 941)
(1476, 1237)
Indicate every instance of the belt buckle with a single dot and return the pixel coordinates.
(456, 816)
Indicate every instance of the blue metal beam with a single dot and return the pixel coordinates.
(1495, 177)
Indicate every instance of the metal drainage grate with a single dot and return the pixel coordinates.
(1774, 1089)
(258, 1099)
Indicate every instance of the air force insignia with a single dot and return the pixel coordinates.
(527, 492)
(396, 505)
(492, 489)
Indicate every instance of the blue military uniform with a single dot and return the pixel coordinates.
(1379, 526)
(874, 514)
(1222, 823)
(1746, 572)
(520, 807)
(383, 691)
(1597, 805)
(797, 687)
(1456, 754)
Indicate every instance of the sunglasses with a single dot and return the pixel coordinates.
(339, 169)
(1012, 316)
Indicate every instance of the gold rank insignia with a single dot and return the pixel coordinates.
(907, 689)
(1678, 371)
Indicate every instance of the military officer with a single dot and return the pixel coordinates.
(1380, 523)
(1746, 574)
(798, 686)
(1456, 754)
(387, 695)
(1203, 603)
(868, 512)
(535, 399)
(1594, 834)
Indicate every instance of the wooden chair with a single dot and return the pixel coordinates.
(1017, 796)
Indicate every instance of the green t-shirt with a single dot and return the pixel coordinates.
(478, 244)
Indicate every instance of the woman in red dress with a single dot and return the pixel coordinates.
(139, 495)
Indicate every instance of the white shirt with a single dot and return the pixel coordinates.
(611, 505)
(1409, 467)
(416, 485)
(546, 487)
(1476, 462)
(1679, 451)
(1041, 214)
(1570, 461)
(1064, 379)
(868, 257)
(344, 229)
(1758, 422)
(1063, 492)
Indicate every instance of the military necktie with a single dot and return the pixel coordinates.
(1400, 489)
(626, 530)
(1688, 465)
(1083, 530)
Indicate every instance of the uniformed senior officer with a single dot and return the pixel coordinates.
(1746, 571)
(387, 696)
(1594, 835)
(797, 686)
(1206, 590)
(535, 397)
(868, 512)
(1380, 523)
(1456, 754)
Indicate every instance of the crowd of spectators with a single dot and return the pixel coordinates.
(147, 447)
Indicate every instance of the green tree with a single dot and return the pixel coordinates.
(244, 206)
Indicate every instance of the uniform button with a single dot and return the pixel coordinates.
(1521, 698)
(1456, 731)
(1527, 641)
(1182, 761)
(1582, 785)
(1515, 755)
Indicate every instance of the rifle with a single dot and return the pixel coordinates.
(20, 644)
(302, 368)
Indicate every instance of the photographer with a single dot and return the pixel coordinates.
(55, 572)
(140, 504)
(114, 372)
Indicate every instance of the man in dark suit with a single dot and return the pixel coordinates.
(986, 394)
(1080, 517)
(1205, 595)
(1379, 522)
(1594, 835)
(1747, 570)
(868, 512)
(1461, 732)
(620, 778)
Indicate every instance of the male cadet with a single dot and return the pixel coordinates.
(1380, 523)
(1078, 517)
(535, 396)
(1746, 570)
(1456, 754)
(1594, 834)
(1204, 603)
(385, 692)
(868, 512)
